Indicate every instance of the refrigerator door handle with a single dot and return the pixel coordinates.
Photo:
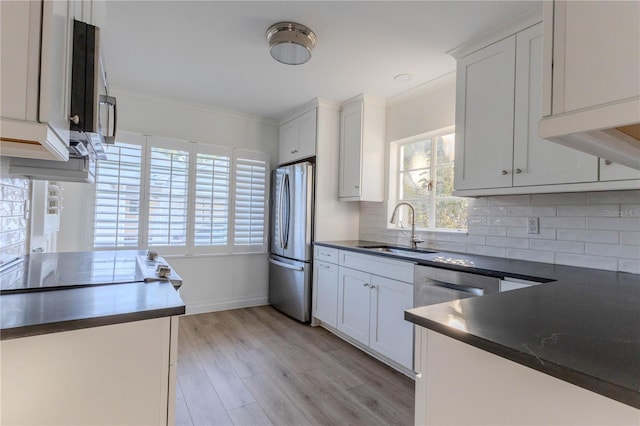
(286, 265)
(280, 200)
(287, 201)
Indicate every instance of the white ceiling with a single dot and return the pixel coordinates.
(215, 53)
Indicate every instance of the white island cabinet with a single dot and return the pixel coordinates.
(115, 374)
(492, 390)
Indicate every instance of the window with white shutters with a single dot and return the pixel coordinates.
(250, 199)
(211, 209)
(198, 198)
(117, 202)
(168, 196)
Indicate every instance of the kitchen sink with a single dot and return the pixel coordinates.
(403, 251)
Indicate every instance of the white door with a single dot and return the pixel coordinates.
(353, 303)
(537, 161)
(390, 334)
(325, 283)
(484, 117)
(288, 141)
(350, 150)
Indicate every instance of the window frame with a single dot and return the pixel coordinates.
(147, 142)
(395, 182)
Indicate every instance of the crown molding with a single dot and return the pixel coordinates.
(429, 86)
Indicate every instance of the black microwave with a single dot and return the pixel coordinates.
(93, 112)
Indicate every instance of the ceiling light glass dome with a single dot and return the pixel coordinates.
(291, 43)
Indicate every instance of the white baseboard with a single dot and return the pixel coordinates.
(226, 304)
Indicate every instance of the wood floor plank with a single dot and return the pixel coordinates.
(202, 400)
(248, 415)
(273, 401)
(187, 360)
(182, 414)
(383, 405)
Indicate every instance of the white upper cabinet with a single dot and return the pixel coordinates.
(36, 78)
(537, 161)
(362, 125)
(615, 172)
(484, 117)
(592, 64)
(298, 138)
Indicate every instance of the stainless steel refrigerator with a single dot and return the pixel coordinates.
(290, 268)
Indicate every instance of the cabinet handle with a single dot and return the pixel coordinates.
(75, 119)
(294, 151)
(608, 162)
(356, 186)
(365, 284)
(518, 171)
(325, 267)
(504, 172)
(324, 254)
(373, 287)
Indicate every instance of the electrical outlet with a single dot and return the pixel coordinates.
(533, 225)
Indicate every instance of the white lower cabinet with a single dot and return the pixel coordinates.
(358, 302)
(371, 310)
(113, 374)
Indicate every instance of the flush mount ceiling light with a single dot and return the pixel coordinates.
(291, 43)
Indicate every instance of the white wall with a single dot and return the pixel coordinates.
(594, 229)
(211, 282)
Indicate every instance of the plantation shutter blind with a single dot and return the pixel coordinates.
(168, 192)
(211, 199)
(250, 200)
(117, 194)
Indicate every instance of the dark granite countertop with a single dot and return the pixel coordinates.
(583, 327)
(33, 313)
(52, 292)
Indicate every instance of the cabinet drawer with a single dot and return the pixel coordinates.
(378, 265)
(326, 254)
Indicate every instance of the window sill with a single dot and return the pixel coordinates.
(433, 231)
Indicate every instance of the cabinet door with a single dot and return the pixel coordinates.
(596, 60)
(350, 150)
(306, 135)
(537, 161)
(390, 334)
(353, 303)
(612, 171)
(484, 117)
(288, 141)
(325, 292)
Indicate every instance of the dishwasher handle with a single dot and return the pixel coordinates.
(476, 291)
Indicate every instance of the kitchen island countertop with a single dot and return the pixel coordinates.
(583, 327)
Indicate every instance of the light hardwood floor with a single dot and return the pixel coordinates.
(255, 366)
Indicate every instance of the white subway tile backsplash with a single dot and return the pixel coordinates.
(593, 230)
(591, 236)
(585, 261)
(508, 242)
(532, 211)
(521, 232)
(613, 197)
(509, 200)
(613, 250)
(13, 226)
(628, 238)
(486, 250)
(614, 223)
(557, 246)
(563, 222)
(629, 265)
(558, 199)
(530, 255)
(601, 210)
(488, 211)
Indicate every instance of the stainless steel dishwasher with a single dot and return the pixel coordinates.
(436, 285)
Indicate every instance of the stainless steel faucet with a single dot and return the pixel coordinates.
(414, 238)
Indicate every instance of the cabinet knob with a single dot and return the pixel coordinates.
(75, 119)
(608, 162)
(365, 284)
(518, 171)
(294, 151)
(373, 287)
(356, 186)
(504, 172)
